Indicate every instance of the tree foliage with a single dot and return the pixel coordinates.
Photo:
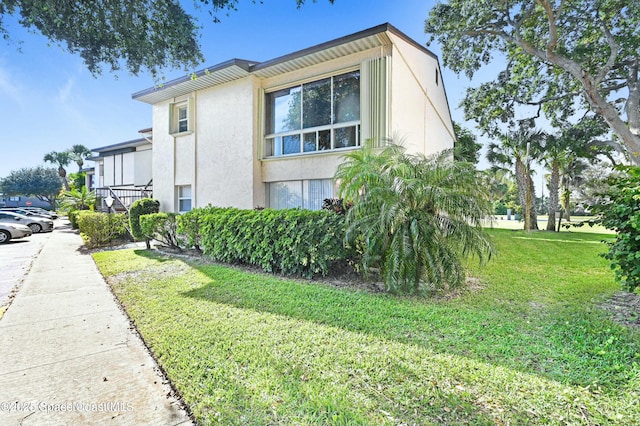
(43, 183)
(135, 34)
(558, 53)
(621, 212)
(416, 217)
(466, 147)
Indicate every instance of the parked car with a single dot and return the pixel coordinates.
(41, 211)
(12, 231)
(27, 212)
(37, 224)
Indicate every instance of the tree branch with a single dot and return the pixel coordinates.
(613, 55)
(553, 30)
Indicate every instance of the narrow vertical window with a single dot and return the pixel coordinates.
(179, 118)
(184, 198)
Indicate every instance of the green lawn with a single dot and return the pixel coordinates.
(529, 347)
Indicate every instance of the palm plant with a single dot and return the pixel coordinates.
(416, 217)
(79, 199)
(563, 154)
(511, 155)
(61, 159)
(79, 153)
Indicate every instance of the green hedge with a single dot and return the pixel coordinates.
(99, 229)
(292, 242)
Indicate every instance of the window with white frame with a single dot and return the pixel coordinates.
(306, 194)
(184, 198)
(317, 116)
(179, 118)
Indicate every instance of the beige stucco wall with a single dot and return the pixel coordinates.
(222, 157)
(163, 160)
(142, 171)
(225, 144)
(419, 111)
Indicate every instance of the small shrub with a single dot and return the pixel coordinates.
(99, 229)
(189, 226)
(73, 218)
(162, 227)
(139, 208)
(621, 213)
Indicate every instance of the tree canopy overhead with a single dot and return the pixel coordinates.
(559, 54)
(135, 35)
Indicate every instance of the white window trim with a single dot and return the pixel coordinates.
(174, 120)
(180, 198)
(302, 132)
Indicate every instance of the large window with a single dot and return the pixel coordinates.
(305, 194)
(318, 116)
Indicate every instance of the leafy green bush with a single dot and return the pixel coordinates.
(621, 212)
(139, 208)
(99, 229)
(189, 226)
(73, 218)
(162, 227)
(293, 242)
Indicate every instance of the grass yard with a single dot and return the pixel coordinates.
(531, 346)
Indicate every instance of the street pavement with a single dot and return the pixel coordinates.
(15, 259)
(68, 354)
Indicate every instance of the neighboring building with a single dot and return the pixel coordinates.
(123, 169)
(22, 201)
(272, 133)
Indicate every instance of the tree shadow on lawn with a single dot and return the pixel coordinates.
(548, 344)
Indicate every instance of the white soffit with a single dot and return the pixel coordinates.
(203, 80)
(236, 69)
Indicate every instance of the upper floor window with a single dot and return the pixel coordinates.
(179, 118)
(317, 116)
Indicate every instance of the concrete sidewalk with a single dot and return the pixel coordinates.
(67, 353)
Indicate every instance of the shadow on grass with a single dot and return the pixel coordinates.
(561, 344)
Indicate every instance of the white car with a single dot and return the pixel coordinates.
(13, 231)
(37, 224)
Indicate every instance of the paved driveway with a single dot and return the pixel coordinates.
(15, 260)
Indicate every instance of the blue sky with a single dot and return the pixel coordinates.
(51, 102)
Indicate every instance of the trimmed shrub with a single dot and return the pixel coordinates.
(162, 227)
(139, 208)
(293, 242)
(73, 218)
(99, 229)
(189, 227)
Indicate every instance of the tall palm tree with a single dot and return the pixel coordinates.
(61, 159)
(554, 157)
(511, 155)
(563, 154)
(416, 216)
(79, 153)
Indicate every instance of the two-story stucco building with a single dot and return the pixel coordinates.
(247, 134)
